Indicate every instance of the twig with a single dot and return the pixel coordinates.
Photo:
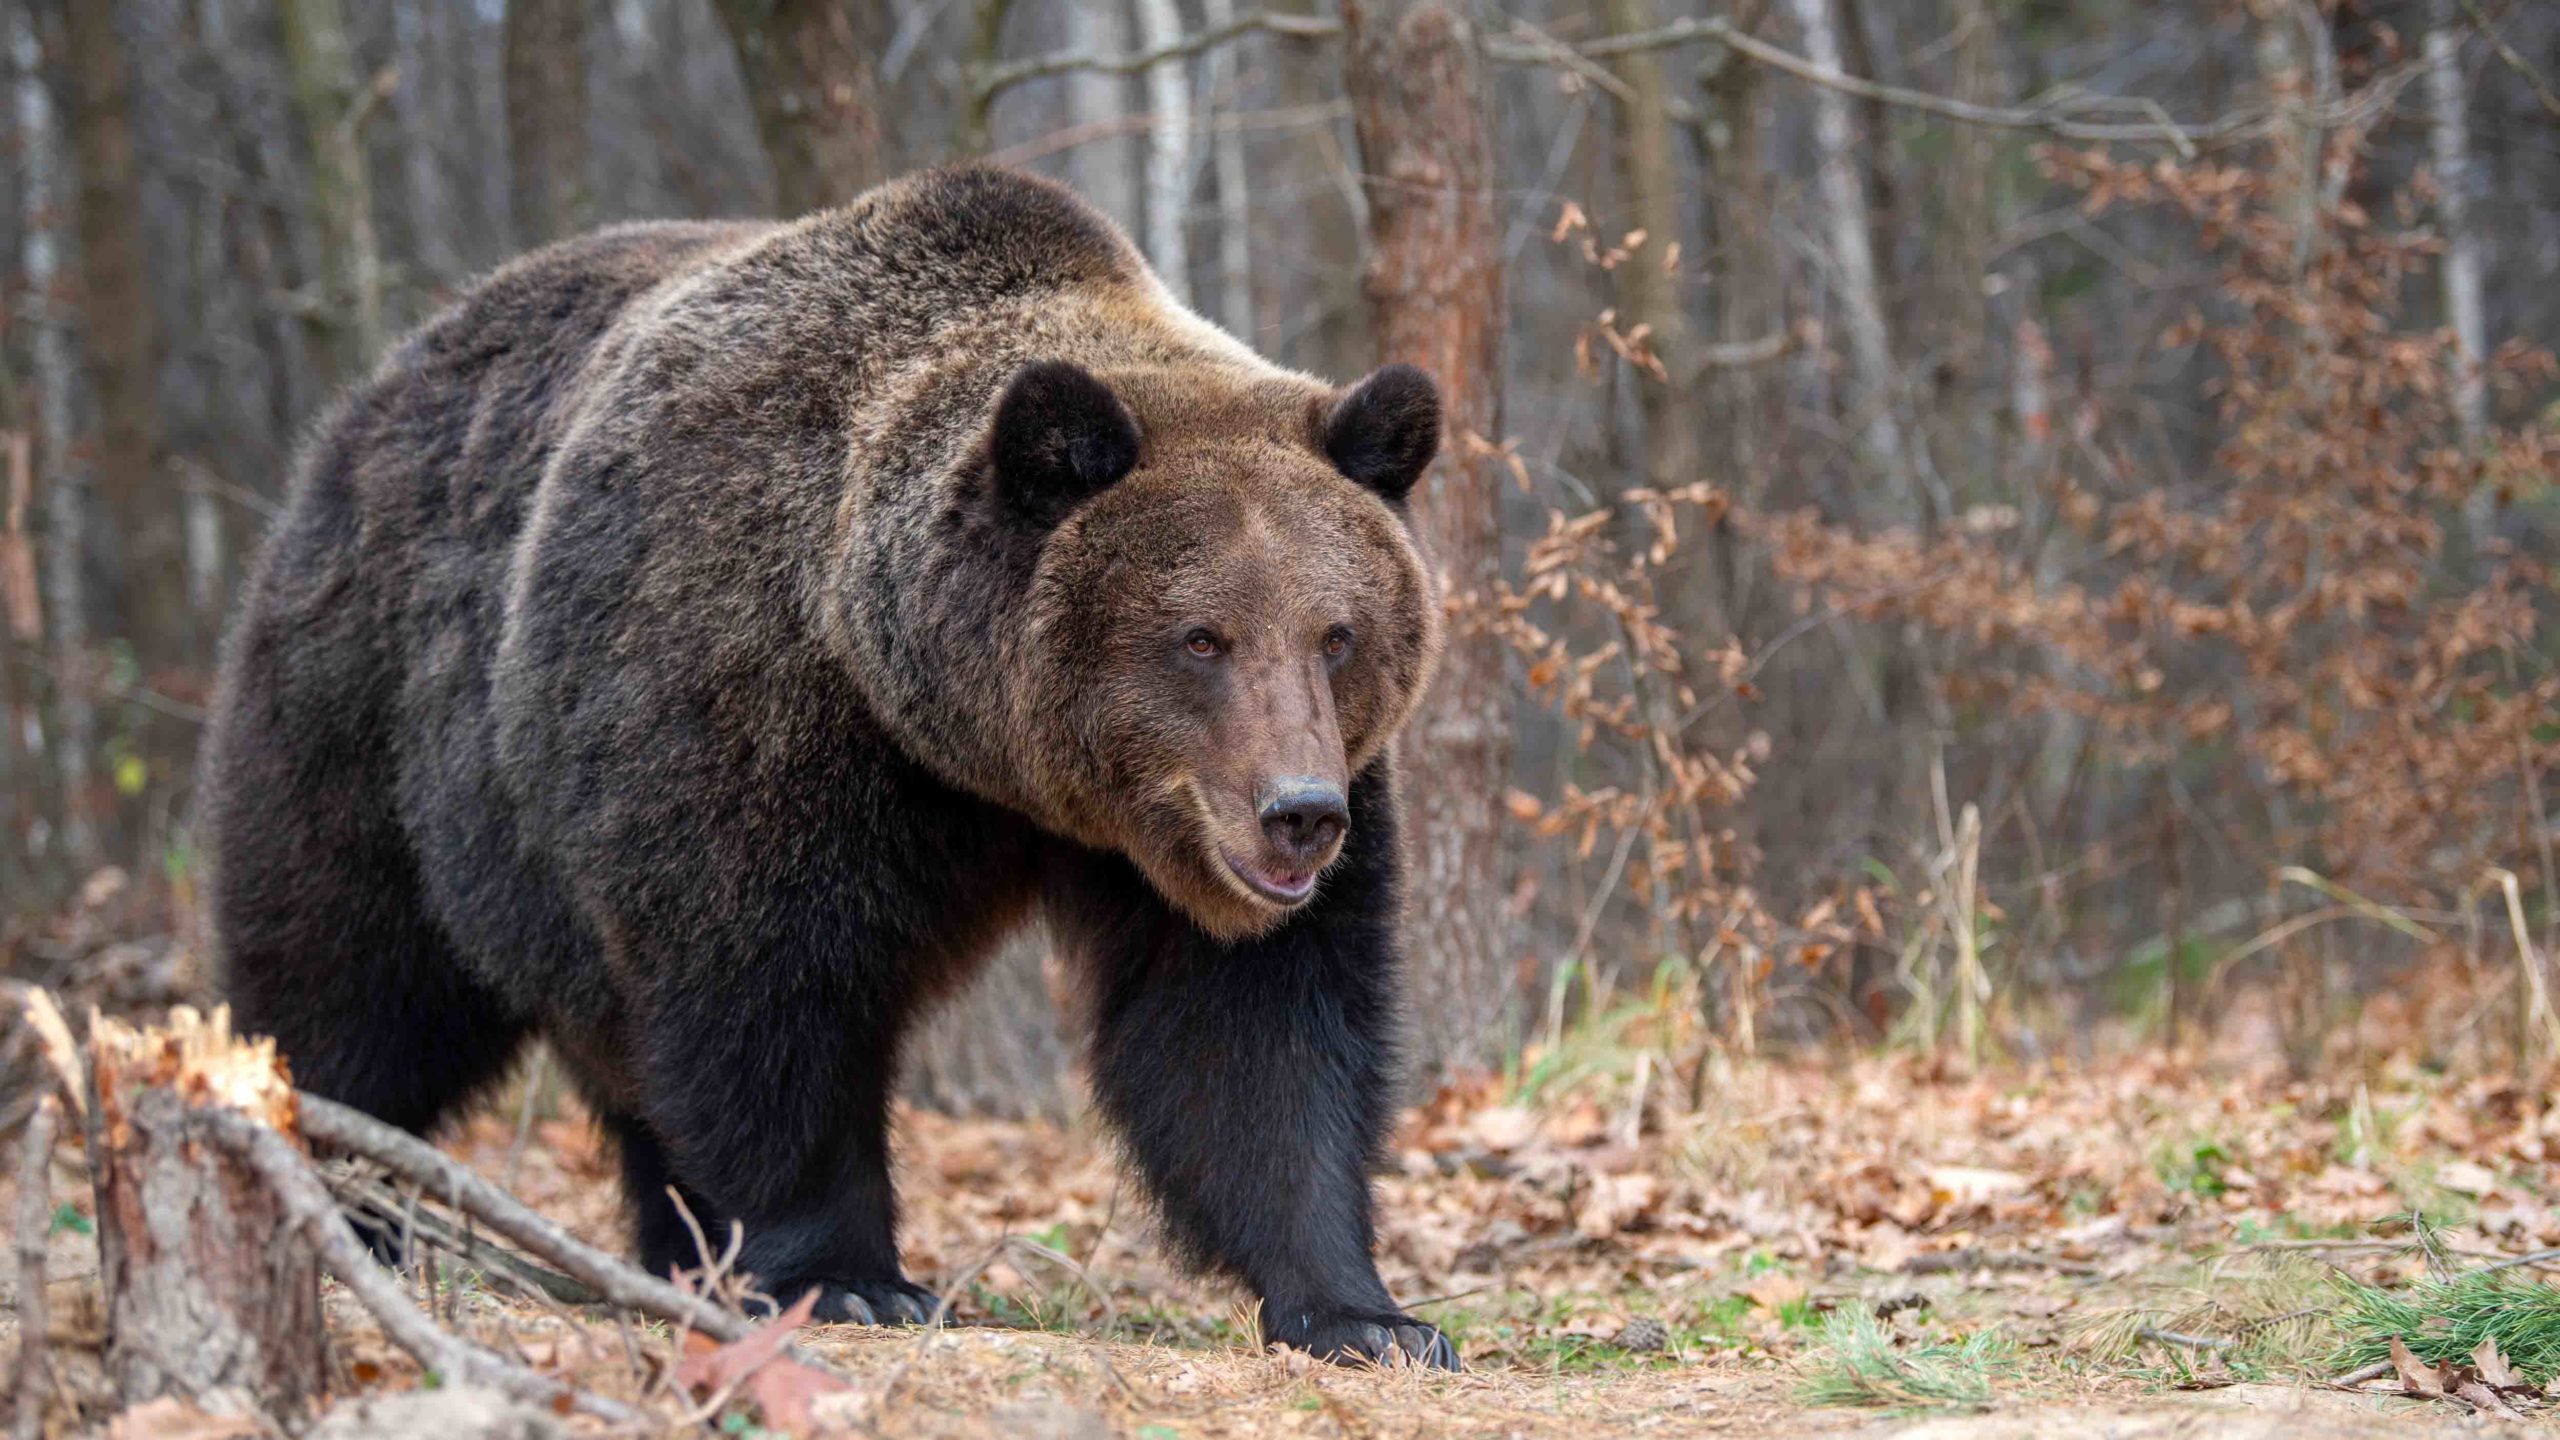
(1590, 71)
(999, 78)
(2537, 1257)
(2188, 1342)
(2517, 63)
(35, 1226)
(380, 1202)
(616, 1281)
(1941, 1262)
(2538, 1006)
(1740, 354)
(1452, 1295)
(2353, 1378)
(309, 1207)
(1529, 47)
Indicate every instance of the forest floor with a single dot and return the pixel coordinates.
(1875, 1245)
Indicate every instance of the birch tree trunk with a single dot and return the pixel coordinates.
(1168, 147)
(345, 318)
(1415, 78)
(1235, 188)
(66, 506)
(142, 536)
(807, 65)
(546, 78)
(1103, 169)
(1838, 180)
(2449, 137)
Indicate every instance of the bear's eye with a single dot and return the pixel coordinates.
(1203, 644)
(1337, 642)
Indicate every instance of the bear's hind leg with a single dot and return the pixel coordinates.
(328, 949)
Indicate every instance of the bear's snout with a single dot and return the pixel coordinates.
(1303, 819)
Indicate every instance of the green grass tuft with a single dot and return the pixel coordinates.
(2447, 1320)
(1858, 1364)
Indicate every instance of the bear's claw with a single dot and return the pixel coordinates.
(1383, 1338)
(864, 1302)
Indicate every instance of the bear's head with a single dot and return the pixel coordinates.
(1229, 619)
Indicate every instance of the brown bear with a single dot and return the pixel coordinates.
(702, 643)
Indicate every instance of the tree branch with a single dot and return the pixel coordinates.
(2066, 118)
(446, 1179)
(2513, 61)
(1002, 77)
(297, 1187)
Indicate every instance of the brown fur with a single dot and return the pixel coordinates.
(702, 643)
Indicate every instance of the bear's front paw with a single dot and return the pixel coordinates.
(860, 1302)
(1345, 1337)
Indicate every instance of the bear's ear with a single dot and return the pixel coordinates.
(1385, 431)
(1060, 436)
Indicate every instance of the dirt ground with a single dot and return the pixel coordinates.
(2128, 1249)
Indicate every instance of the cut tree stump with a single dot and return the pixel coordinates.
(210, 1295)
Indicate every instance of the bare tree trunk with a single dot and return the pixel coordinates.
(1168, 147)
(1648, 294)
(209, 1295)
(345, 318)
(546, 78)
(65, 491)
(115, 327)
(1744, 283)
(997, 1048)
(1415, 79)
(808, 68)
(2450, 136)
(1104, 171)
(1844, 203)
(1235, 188)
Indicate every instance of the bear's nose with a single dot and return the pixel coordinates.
(1302, 817)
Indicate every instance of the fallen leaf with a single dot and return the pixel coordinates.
(1612, 1202)
(2415, 1378)
(2466, 1177)
(1956, 1187)
(1775, 1290)
(2484, 1398)
(2493, 1366)
(1505, 1127)
(754, 1368)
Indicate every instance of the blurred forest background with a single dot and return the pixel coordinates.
(1979, 524)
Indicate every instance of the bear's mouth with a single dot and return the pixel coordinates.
(1279, 884)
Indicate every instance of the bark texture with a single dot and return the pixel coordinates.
(808, 70)
(2449, 142)
(210, 1297)
(1168, 148)
(66, 508)
(1648, 289)
(1415, 77)
(546, 75)
(1842, 185)
(115, 327)
(345, 317)
(997, 1048)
